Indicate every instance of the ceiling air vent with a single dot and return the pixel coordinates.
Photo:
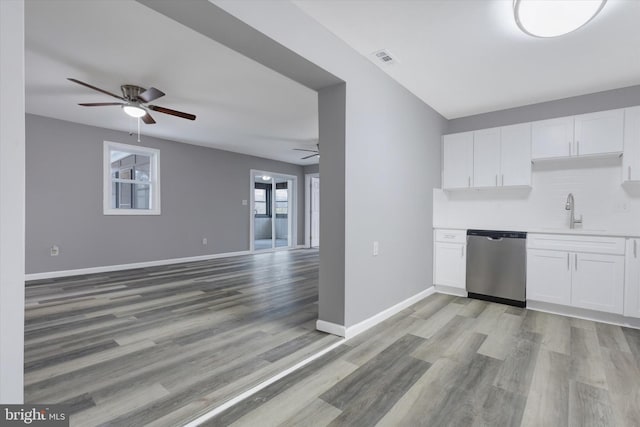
(383, 57)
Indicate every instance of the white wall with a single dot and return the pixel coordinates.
(596, 184)
(12, 192)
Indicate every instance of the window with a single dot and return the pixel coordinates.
(282, 201)
(131, 180)
(262, 199)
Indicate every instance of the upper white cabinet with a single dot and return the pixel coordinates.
(631, 156)
(632, 279)
(488, 158)
(515, 159)
(552, 138)
(599, 133)
(583, 135)
(457, 168)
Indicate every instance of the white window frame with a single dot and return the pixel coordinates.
(154, 179)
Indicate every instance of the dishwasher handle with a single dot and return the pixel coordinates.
(495, 239)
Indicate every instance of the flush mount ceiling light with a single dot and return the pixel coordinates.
(134, 111)
(552, 18)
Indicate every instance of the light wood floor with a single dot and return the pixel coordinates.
(450, 361)
(158, 346)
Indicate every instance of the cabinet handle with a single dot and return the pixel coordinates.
(461, 251)
(635, 249)
(577, 148)
(568, 265)
(496, 180)
(629, 173)
(570, 148)
(503, 180)
(576, 255)
(469, 181)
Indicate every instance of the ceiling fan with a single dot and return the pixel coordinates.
(135, 102)
(316, 152)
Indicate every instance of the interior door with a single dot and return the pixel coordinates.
(315, 212)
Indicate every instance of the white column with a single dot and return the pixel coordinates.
(12, 200)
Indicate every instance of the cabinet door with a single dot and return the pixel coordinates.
(450, 265)
(631, 156)
(598, 133)
(457, 168)
(598, 282)
(486, 158)
(552, 138)
(632, 279)
(515, 164)
(548, 276)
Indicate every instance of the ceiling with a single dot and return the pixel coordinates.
(240, 105)
(465, 57)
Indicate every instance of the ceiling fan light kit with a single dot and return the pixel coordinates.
(134, 111)
(553, 18)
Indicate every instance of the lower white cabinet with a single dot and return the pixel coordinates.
(450, 258)
(549, 276)
(598, 282)
(578, 271)
(632, 279)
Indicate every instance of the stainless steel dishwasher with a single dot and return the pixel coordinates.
(497, 266)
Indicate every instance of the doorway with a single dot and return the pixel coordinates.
(273, 211)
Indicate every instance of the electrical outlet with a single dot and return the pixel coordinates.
(204, 241)
(55, 250)
(245, 202)
(376, 248)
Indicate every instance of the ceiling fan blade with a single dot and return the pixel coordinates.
(96, 88)
(172, 112)
(150, 94)
(100, 104)
(148, 119)
(308, 157)
(302, 149)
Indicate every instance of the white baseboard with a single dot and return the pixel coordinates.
(450, 290)
(581, 313)
(331, 328)
(358, 328)
(118, 267)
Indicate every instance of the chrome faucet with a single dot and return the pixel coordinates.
(570, 206)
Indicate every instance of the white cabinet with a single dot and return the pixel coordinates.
(450, 259)
(515, 159)
(631, 154)
(486, 158)
(632, 279)
(457, 167)
(598, 282)
(552, 138)
(578, 271)
(583, 135)
(599, 133)
(549, 276)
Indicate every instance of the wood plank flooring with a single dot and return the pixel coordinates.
(158, 346)
(450, 361)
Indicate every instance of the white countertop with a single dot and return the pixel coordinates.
(552, 230)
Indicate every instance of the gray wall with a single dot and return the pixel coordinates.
(312, 169)
(391, 158)
(600, 101)
(202, 193)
